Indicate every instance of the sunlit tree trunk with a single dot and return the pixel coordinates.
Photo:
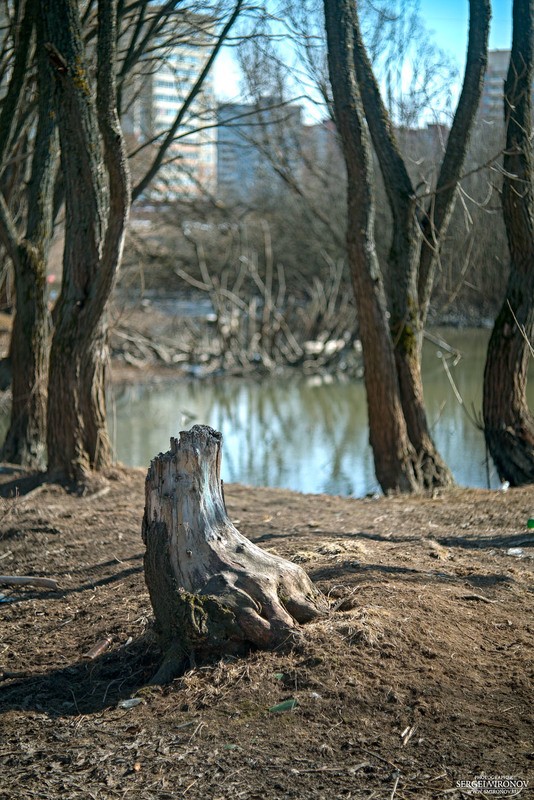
(418, 229)
(415, 245)
(97, 191)
(394, 457)
(25, 442)
(508, 424)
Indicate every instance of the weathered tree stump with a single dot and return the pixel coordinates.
(212, 590)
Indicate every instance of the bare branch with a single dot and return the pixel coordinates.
(195, 90)
(437, 216)
(114, 148)
(11, 105)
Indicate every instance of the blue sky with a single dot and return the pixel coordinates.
(448, 20)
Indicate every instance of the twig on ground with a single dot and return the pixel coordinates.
(98, 648)
(27, 580)
(478, 597)
(397, 779)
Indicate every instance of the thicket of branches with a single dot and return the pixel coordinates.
(301, 195)
(306, 218)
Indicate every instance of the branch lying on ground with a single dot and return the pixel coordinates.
(27, 580)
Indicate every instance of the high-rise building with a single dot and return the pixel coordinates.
(491, 102)
(256, 142)
(154, 98)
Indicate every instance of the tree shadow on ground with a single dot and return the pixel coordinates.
(25, 593)
(86, 570)
(117, 576)
(21, 485)
(487, 542)
(24, 485)
(474, 542)
(86, 687)
(18, 532)
(376, 572)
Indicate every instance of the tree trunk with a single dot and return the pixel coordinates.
(97, 204)
(396, 462)
(394, 457)
(508, 424)
(432, 470)
(415, 248)
(25, 441)
(440, 206)
(405, 456)
(213, 592)
(407, 335)
(78, 442)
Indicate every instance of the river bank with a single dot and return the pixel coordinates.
(164, 336)
(161, 337)
(419, 677)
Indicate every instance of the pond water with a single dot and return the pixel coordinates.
(304, 434)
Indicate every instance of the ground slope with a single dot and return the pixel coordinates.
(421, 675)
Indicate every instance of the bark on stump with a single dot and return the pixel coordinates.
(212, 590)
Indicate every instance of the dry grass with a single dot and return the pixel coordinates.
(420, 675)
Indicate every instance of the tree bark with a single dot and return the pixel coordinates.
(97, 205)
(432, 470)
(415, 247)
(508, 423)
(394, 457)
(212, 590)
(25, 441)
(12, 105)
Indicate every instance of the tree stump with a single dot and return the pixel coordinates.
(213, 591)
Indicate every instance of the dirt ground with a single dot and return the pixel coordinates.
(420, 676)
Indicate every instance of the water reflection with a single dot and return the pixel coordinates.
(288, 432)
(302, 435)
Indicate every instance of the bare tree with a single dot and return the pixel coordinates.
(393, 454)
(418, 227)
(28, 249)
(417, 75)
(97, 207)
(508, 423)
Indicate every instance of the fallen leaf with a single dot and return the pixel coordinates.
(286, 705)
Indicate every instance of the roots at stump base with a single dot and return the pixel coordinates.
(213, 591)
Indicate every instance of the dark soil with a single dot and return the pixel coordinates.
(419, 677)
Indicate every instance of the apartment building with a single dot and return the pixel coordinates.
(257, 144)
(154, 98)
(491, 103)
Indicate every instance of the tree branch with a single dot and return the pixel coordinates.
(397, 182)
(438, 214)
(156, 164)
(11, 102)
(115, 156)
(45, 157)
(8, 232)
